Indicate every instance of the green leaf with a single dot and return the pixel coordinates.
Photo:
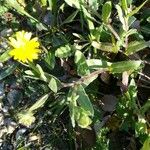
(130, 2)
(127, 102)
(137, 9)
(82, 117)
(104, 46)
(82, 67)
(5, 56)
(53, 85)
(50, 59)
(89, 80)
(6, 72)
(74, 3)
(20, 9)
(52, 5)
(148, 19)
(145, 107)
(71, 98)
(97, 63)
(140, 126)
(132, 94)
(31, 75)
(3, 10)
(130, 32)
(80, 5)
(43, 2)
(106, 12)
(41, 73)
(84, 121)
(64, 51)
(136, 46)
(124, 5)
(35, 70)
(94, 4)
(40, 102)
(120, 67)
(84, 100)
(131, 20)
(121, 16)
(70, 18)
(146, 145)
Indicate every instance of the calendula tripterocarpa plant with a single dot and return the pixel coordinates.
(71, 56)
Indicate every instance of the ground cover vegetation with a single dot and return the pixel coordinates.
(74, 74)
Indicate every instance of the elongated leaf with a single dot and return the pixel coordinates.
(35, 70)
(89, 80)
(52, 5)
(106, 11)
(121, 17)
(40, 102)
(136, 46)
(30, 75)
(124, 5)
(146, 145)
(20, 9)
(80, 5)
(41, 73)
(130, 32)
(88, 18)
(70, 18)
(72, 98)
(131, 20)
(84, 100)
(5, 56)
(97, 63)
(79, 36)
(120, 67)
(6, 72)
(137, 9)
(53, 85)
(73, 3)
(50, 59)
(82, 67)
(107, 47)
(145, 107)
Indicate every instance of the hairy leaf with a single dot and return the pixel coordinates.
(80, 60)
(84, 100)
(120, 67)
(106, 11)
(136, 46)
(40, 102)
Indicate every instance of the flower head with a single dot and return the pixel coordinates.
(25, 48)
(26, 118)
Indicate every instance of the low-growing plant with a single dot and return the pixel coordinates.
(58, 50)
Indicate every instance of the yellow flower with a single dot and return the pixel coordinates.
(25, 48)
